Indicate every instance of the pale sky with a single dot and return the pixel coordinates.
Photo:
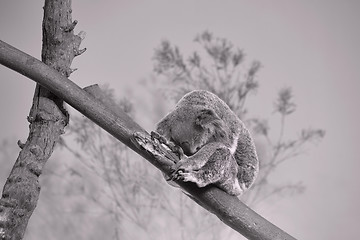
(312, 46)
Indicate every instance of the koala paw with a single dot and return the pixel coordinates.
(184, 176)
(157, 136)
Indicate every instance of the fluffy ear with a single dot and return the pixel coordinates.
(208, 119)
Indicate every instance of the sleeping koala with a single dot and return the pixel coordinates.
(216, 147)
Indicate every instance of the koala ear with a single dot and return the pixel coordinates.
(209, 120)
(206, 117)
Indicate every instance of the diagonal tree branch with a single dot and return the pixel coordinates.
(228, 208)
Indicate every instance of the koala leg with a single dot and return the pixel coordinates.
(200, 169)
(220, 168)
(199, 159)
(214, 169)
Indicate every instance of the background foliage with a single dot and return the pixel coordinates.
(133, 194)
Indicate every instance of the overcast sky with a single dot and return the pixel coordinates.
(312, 46)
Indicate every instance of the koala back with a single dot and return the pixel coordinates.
(246, 158)
(199, 100)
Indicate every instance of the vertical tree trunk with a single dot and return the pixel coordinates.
(47, 118)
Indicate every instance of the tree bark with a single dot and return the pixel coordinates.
(47, 118)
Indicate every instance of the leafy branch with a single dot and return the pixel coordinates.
(218, 70)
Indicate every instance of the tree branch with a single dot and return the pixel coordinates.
(228, 208)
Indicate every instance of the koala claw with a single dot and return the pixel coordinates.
(187, 177)
(160, 138)
(183, 175)
(176, 175)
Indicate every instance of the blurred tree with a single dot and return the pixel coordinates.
(135, 195)
(219, 69)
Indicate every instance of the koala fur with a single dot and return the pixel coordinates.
(217, 147)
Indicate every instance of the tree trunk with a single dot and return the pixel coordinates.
(47, 118)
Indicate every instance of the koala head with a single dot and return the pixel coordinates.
(194, 128)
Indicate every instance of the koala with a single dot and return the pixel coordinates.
(215, 147)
